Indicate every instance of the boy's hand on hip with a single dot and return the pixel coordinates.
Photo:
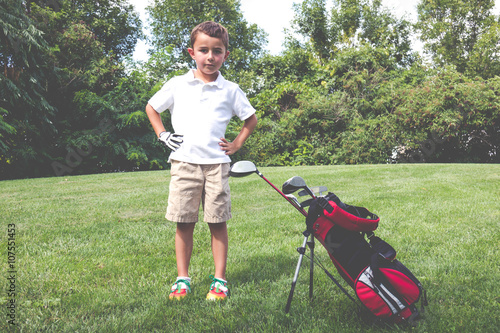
(171, 140)
(229, 147)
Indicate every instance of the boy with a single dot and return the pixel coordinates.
(201, 103)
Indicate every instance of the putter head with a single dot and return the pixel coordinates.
(293, 184)
(242, 169)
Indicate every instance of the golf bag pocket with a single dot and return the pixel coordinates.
(389, 292)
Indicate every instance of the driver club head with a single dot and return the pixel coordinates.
(242, 169)
(245, 168)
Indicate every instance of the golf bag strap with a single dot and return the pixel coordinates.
(383, 251)
(340, 286)
(313, 214)
(316, 208)
(382, 248)
(336, 282)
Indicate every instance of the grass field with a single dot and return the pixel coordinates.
(95, 254)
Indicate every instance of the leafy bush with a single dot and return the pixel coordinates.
(449, 118)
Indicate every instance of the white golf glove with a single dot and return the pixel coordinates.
(171, 140)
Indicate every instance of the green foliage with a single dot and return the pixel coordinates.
(350, 90)
(485, 58)
(366, 141)
(450, 118)
(56, 54)
(114, 23)
(296, 133)
(452, 29)
(160, 65)
(128, 143)
(352, 23)
(26, 117)
(312, 21)
(294, 65)
(245, 40)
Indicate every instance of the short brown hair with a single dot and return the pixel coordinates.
(211, 29)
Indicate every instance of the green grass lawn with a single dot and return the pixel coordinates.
(95, 254)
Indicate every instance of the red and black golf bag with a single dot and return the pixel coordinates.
(383, 285)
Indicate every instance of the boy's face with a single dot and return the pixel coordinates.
(209, 54)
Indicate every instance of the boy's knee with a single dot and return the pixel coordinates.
(217, 227)
(185, 227)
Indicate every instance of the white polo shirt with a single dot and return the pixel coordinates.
(201, 113)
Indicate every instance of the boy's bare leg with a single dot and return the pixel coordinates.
(184, 247)
(219, 248)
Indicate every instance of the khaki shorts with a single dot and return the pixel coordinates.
(191, 184)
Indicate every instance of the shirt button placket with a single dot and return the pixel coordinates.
(204, 92)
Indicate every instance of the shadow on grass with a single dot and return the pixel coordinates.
(263, 267)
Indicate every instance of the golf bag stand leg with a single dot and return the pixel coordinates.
(311, 267)
(302, 251)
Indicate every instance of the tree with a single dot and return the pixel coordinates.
(485, 58)
(52, 49)
(312, 22)
(351, 24)
(461, 33)
(26, 117)
(338, 83)
(245, 40)
(114, 23)
(87, 39)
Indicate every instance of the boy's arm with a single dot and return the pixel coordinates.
(247, 129)
(171, 140)
(155, 119)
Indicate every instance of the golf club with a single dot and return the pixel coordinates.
(315, 189)
(295, 200)
(245, 168)
(296, 183)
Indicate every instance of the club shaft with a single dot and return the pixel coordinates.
(300, 209)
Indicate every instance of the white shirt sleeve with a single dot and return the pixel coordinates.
(164, 98)
(242, 107)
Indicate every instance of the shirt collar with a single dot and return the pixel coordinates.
(219, 82)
